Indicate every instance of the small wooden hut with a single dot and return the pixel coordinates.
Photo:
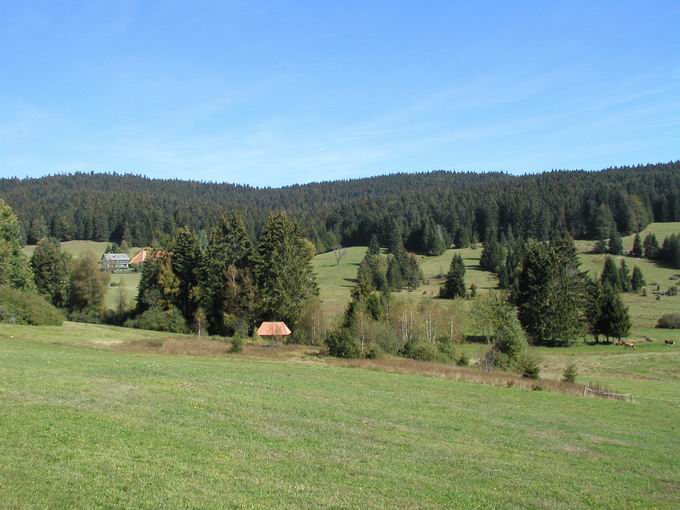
(274, 330)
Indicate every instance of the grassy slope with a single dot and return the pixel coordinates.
(86, 427)
(335, 281)
(645, 311)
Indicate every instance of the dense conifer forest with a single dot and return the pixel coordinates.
(430, 210)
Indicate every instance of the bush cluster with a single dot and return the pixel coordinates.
(159, 319)
(669, 321)
(28, 308)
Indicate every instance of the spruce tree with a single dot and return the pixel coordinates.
(603, 222)
(51, 271)
(614, 320)
(226, 277)
(493, 255)
(637, 247)
(284, 274)
(461, 239)
(551, 293)
(432, 241)
(186, 260)
(15, 270)
(615, 246)
(454, 284)
(620, 321)
(624, 275)
(651, 247)
(610, 275)
(374, 245)
(637, 281)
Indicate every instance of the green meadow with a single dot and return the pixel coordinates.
(89, 420)
(103, 417)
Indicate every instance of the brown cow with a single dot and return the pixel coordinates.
(669, 342)
(630, 345)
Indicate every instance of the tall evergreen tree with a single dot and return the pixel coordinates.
(624, 275)
(637, 247)
(551, 293)
(285, 278)
(615, 246)
(226, 278)
(15, 270)
(454, 284)
(637, 281)
(493, 255)
(614, 320)
(603, 223)
(374, 245)
(610, 275)
(462, 238)
(51, 271)
(651, 247)
(185, 260)
(432, 242)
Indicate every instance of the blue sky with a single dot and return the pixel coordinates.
(274, 93)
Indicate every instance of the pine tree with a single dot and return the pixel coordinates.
(15, 270)
(603, 222)
(610, 275)
(395, 241)
(600, 246)
(432, 242)
(37, 230)
(624, 275)
(651, 247)
(462, 239)
(614, 320)
(594, 308)
(615, 246)
(637, 281)
(226, 277)
(454, 284)
(185, 260)
(374, 245)
(551, 293)
(285, 278)
(493, 255)
(51, 271)
(637, 247)
(620, 321)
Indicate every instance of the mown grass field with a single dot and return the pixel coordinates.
(87, 423)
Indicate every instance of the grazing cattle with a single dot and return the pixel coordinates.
(630, 345)
(669, 342)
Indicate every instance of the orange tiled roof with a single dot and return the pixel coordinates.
(273, 329)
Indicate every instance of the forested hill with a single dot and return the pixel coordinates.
(425, 208)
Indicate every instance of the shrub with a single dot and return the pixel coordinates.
(423, 351)
(341, 343)
(383, 338)
(570, 373)
(511, 341)
(23, 307)
(236, 344)
(673, 291)
(158, 319)
(529, 367)
(463, 360)
(669, 321)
